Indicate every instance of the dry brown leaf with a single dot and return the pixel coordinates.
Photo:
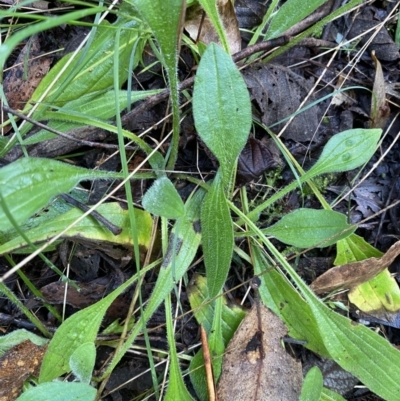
(26, 74)
(256, 366)
(16, 365)
(278, 93)
(194, 24)
(355, 273)
(380, 109)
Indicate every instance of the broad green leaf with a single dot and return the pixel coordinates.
(210, 7)
(96, 105)
(306, 228)
(216, 340)
(346, 151)
(291, 12)
(312, 385)
(59, 391)
(186, 236)
(165, 19)
(354, 248)
(218, 238)
(221, 109)
(176, 386)
(379, 296)
(17, 337)
(162, 199)
(82, 362)
(28, 184)
(92, 69)
(80, 328)
(89, 230)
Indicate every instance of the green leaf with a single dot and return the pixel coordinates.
(291, 12)
(186, 237)
(89, 230)
(346, 151)
(279, 295)
(210, 7)
(162, 199)
(165, 18)
(306, 228)
(80, 328)
(204, 310)
(91, 70)
(218, 238)
(378, 296)
(82, 362)
(29, 184)
(59, 391)
(312, 385)
(95, 105)
(221, 109)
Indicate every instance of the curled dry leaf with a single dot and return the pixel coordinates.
(204, 31)
(355, 273)
(255, 366)
(16, 365)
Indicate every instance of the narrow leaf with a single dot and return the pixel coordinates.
(291, 12)
(221, 108)
(162, 199)
(306, 228)
(218, 239)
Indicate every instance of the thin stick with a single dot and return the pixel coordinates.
(207, 365)
(96, 215)
(59, 133)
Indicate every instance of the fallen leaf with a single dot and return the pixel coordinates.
(202, 29)
(256, 366)
(380, 109)
(16, 365)
(278, 93)
(355, 273)
(254, 159)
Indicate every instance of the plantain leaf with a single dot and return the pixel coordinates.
(59, 391)
(218, 239)
(346, 151)
(312, 385)
(162, 199)
(221, 109)
(306, 228)
(28, 184)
